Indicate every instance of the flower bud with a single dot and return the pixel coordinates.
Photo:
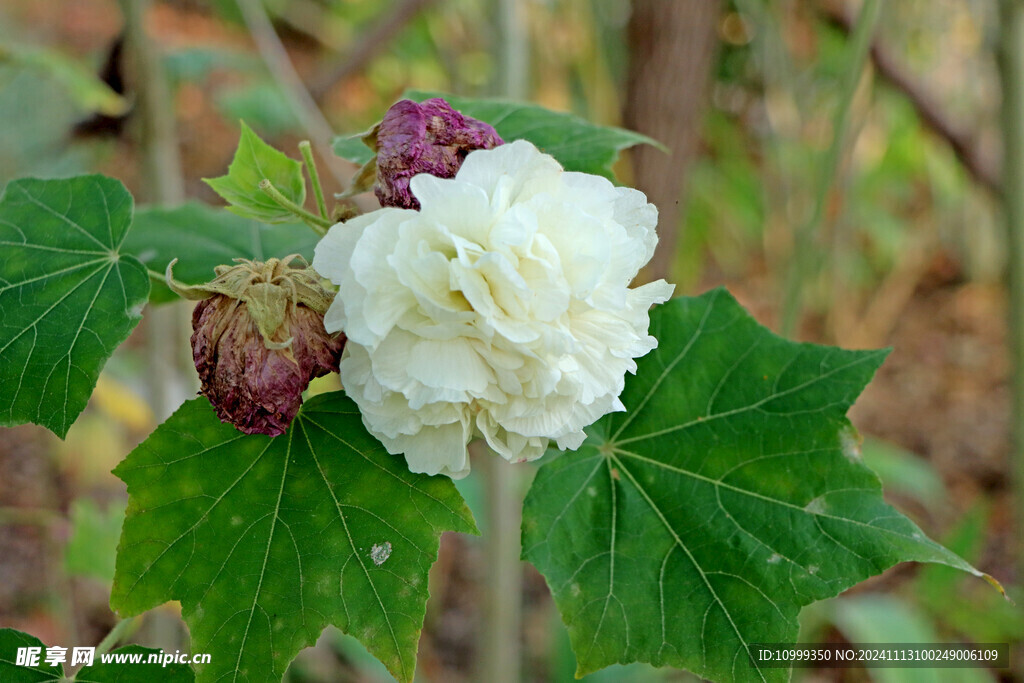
(429, 137)
(259, 339)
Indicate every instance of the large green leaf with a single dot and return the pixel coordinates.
(202, 237)
(267, 541)
(86, 89)
(125, 664)
(575, 142)
(68, 295)
(255, 161)
(729, 494)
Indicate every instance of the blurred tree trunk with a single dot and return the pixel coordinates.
(1011, 72)
(672, 50)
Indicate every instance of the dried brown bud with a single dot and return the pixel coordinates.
(259, 339)
(428, 137)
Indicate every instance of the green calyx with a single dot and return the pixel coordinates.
(266, 287)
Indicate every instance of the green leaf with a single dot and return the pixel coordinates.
(68, 295)
(131, 668)
(255, 161)
(728, 495)
(904, 472)
(87, 90)
(267, 541)
(202, 237)
(353, 148)
(264, 103)
(100, 672)
(93, 542)
(575, 142)
(11, 672)
(873, 618)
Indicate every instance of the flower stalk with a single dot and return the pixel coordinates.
(318, 224)
(306, 149)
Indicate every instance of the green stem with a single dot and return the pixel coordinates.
(116, 634)
(281, 68)
(500, 634)
(162, 182)
(804, 260)
(501, 630)
(318, 224)
(1011, 72)
(314, 176)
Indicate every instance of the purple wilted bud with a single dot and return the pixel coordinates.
(429, 137)
(259, 339)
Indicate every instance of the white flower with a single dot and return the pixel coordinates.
(500, 309)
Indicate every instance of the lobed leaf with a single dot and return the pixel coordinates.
(98, 672)
(68, 295)
(126, 671)
(255, 161)
(265, 541)
(10, 641)
(727, 496)
(202, 237)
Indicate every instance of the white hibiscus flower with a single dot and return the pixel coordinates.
(501, 309)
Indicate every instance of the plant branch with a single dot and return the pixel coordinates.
(377, 38)
(118, 633)
(502, 590)
(314, 176)
(1011, 75)
(803, 247)
(280, 64)
(929, 110)
(318, 224)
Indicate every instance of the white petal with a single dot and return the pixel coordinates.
(503, 306)
(519, 165)
(435, 450)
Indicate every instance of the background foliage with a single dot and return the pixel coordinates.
(909, 256)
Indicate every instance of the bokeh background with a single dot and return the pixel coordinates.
(840, 172)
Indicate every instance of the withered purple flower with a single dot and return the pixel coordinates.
(259, 339)
(429, 137)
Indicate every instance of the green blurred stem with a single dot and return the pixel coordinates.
(498, 647)
(314, 176)
(515, 49)
(162, 183)
(805, 260)
(275, 56)
(121, 630)
(318, 224)
(1011, 72)
(500, 637)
